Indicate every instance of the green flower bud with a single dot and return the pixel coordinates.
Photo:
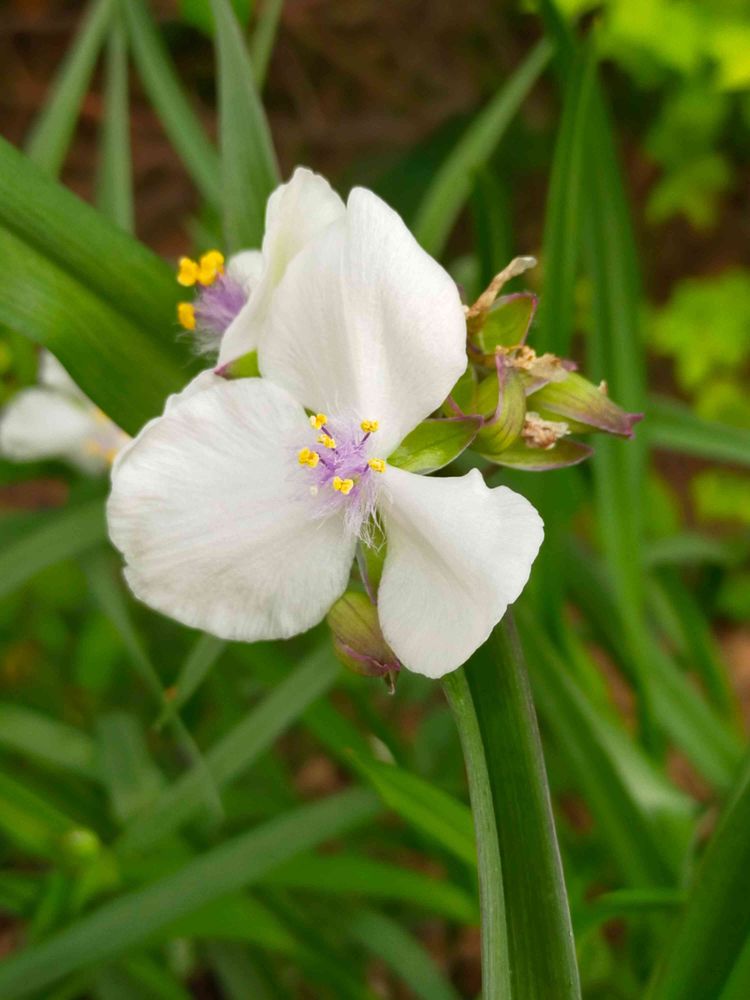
(80, 846)
(504, 421)
(357, 639)
(584, 406)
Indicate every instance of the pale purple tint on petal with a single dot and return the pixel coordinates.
(215, 308)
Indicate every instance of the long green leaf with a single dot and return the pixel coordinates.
(542, 953)
(165, 92)
(261, 44)
(677, 428)
(114, 195)
(47, 741)
(451, 187)
(62, 534)
(716, 923)
(248, 162)
(235, 752)
(123, 924)
(50, 136)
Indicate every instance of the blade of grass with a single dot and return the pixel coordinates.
(58, 535)
(122, 924)
(131, 776)
(451, 186)
(496, 967)
(48, 142)
(248, 163)
(47, 741)
(114, 195)
(709, 938)
(165, 93)
(542, 952)
(264, 35)
(235, 751)
(675, 427)
(203, 656)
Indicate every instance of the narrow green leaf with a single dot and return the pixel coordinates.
(709, 938)
(61, 534)
(451, 186)
(428, 809)
(30, 821)
(235, 751)
(542, 953)
(627, 903)
(202, 658)
(398, 949)
(114, 195)
(248, 162)
(264, 35)
(165, 92)
(562, 223)
(675, 427)
(126, 922)
(131, 776)
(496, 966)
(47, 741)
(347, 873)
(50, 136)
(433, 444)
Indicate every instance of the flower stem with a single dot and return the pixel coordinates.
(495, 962)
(540, 937)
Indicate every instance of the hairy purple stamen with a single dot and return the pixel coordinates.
(215, 308)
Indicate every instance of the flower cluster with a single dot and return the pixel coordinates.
(241, 509)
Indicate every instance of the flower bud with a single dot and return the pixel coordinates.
(80, 846)
(357, 639)
(584, 406)
(502, 401)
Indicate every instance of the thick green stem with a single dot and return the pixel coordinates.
(495, 964)
(540, 936)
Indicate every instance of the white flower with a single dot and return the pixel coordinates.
(56, 420)
(230, 312)
(239, 513)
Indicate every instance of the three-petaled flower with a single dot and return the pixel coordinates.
(240, 509)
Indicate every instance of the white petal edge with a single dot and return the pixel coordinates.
(206, 510)
(367, 324)
(458, 554)
(40, 423)
(296, 212)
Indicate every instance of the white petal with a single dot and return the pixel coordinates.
(365, 322)
(246, 268)
(296, 212)
(206, 509)
(458, 554)
(41, 423)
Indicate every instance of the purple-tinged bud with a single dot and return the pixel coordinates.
(502, 402)
(357, 639)
(584, 406)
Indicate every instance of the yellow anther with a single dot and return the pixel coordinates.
(326, 440)
(377, 464)
(344, 486)
(186, 315)
(308, 457)
(210, 267)
(369, 426)
(187, 272)
(317, 420)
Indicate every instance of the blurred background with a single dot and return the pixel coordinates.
(379, 92)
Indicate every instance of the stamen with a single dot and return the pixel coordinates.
(187, 273)
(308, 457)
(326, 440)
(344, 486)
(211, 266)
(186, 315)
(317, 420)
(377, 464)
(369, 426)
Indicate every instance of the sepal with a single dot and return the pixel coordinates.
(586, 406)
(245, 366)
(357, 639)
(434, 443)
(502, 402)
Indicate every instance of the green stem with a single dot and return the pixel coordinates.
(540, 936)
(495, 962)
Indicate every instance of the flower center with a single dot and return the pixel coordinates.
(219, 299)
(339, 471)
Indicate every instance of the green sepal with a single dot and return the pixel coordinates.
(507, 323)
(463, 394)
(357, 639)
(580, 401)
(245, 366)
(433, 444)
(520, 456)
(506, 423)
